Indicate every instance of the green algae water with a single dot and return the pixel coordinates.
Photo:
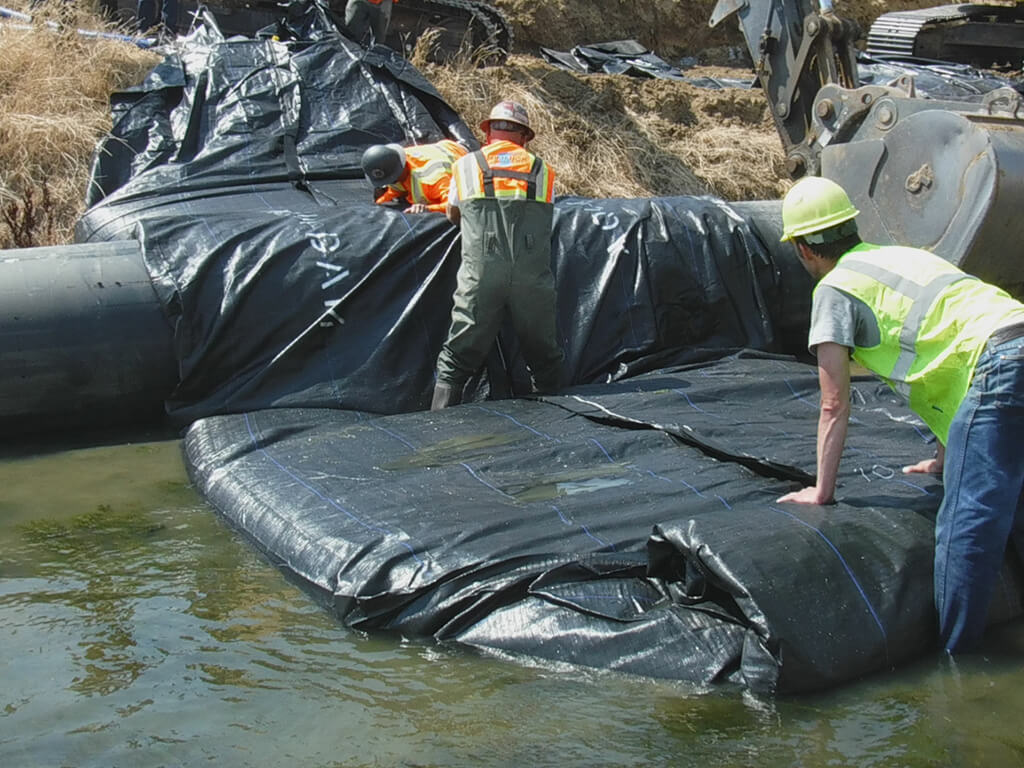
(136, 629)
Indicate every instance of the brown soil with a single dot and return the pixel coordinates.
(618, 136)
(672, 28)
(606, 135)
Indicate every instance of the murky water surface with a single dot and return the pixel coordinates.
(137, 630)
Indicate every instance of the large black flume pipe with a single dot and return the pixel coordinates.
(84, 343)
(83, 340)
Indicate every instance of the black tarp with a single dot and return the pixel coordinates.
(617, 57)
(932, 79)
(236, 165)
(627, 525)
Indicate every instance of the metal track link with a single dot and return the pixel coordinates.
(898, 33)
(496, 38)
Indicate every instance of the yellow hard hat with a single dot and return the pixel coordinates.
(814, 204)
(510, 112)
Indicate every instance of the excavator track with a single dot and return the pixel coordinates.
(977, 34)
(464, 25)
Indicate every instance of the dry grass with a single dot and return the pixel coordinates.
(615, 136)
(607, 136)
(55, 88)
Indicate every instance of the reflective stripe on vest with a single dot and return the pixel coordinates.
(429, 164)
(933, 319)
(506, 171)
(921, 297)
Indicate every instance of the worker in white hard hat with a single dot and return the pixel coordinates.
(419, 176)
(954, 346)
(501, 197)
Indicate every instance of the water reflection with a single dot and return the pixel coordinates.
(139, 630)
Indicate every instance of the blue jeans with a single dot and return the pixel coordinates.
(983, 501)
(146, 12)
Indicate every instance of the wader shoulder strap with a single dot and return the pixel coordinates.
(489, 174)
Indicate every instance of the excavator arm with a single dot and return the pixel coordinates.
(797, 48)
(947, 176)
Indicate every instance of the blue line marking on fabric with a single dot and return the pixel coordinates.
(598, 539)
(395, 435)
(846, 567)
(695, 407)
(656, 476)
(726, 503)
(517, 422)
(484, 482)
(321, 496)
(692, 488)
(925, 491)
(605, 452)
(561, 516)
(651, 472)
(800, 397)
(920, 434)
(406, 220)
(584, 528)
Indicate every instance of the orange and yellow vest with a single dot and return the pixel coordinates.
(428, 175)
(506, 171)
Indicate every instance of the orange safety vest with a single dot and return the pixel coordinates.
(377, 2)
(504, 170)
(428, 175)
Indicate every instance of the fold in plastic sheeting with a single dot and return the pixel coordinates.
(631, 526)
(619, 57)
(236, 165)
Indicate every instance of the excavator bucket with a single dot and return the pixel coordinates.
(936, 173)
(944, 176)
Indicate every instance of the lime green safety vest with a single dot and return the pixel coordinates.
(934, 320)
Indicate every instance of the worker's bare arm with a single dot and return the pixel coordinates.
(833, 419)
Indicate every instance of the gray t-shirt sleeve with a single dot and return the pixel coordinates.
(840, 318)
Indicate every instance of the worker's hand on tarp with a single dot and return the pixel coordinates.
(926, 466)
(809, 495)
(932, 466)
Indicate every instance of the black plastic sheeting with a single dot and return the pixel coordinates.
(236, 165)
(932, 79)
(627, 525)
(358, 324)
(618, 57)
(630, 526)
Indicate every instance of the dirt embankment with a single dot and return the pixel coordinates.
(671, 28)
(614, 136)
(619, 136)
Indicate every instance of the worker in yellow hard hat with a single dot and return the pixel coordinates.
(419, 175)
(954, 346)
(501, 197)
